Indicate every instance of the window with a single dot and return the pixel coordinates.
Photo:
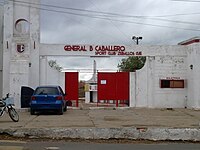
(22, 26)
(46, 91)
(172, 83)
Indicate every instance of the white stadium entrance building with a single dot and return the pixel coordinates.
(170, 77)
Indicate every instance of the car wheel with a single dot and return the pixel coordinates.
(60, 111)
(65, 108)
(32, 112)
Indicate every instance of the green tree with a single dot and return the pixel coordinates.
(132, 63)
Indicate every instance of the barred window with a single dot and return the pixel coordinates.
(171, 83)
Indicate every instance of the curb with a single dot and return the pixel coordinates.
(80, 108)
(153, 134)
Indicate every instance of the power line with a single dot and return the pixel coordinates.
(71, 19)
(117, 20)
(112, 22)
(187, 1)
(177, 21)
(106, 14)
(76, 9)
(1, 2)
(94, 29)
(175, 15)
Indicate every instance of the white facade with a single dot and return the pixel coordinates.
(20, 68)
(148, 92)
(193, 76)
(146, 82)
(1, 49)
(49, 75)
(25, 62)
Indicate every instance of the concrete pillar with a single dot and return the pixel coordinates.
(150, 61)
(35, 45)
(132, 90)
(1, 50)
(61, 81)
(193, 82)
(20, 66)
(95, 96)
(43, 70)
(7, 45)
(87, 97)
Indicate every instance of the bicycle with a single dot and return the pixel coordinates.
(8, 107)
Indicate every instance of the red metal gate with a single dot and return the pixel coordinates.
(113, 86)
(122, 86)
(71, 86)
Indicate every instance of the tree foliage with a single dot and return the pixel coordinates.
(53, 64)
(132, 63)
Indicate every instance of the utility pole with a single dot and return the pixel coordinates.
(136, 39)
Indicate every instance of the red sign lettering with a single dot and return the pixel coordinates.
(109, 48)
(112, 50)
(74, 48)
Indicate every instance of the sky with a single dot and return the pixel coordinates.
(159, 22)
(107, 22)
(115, 22)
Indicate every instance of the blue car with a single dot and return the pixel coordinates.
(51, 98)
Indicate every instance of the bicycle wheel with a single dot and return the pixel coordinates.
(13, 114)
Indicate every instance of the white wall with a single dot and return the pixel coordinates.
(49, 75)
(35, 46)
(147, 83)
(30, 67)
(55, 77)
(1, 49)
(7, 39)
(155, 50)
(88, 89)
(141, 85)
(132, 89)
(170, 67)
(87, 97)
(193, 75)
(20, 69)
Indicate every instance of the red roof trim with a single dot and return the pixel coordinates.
(190, 41)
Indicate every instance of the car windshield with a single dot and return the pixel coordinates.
(46, 91)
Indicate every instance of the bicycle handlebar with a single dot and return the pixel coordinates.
(7, 96)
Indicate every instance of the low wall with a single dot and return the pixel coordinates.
(145, 90)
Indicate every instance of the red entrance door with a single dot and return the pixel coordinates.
(71, 86)
(113, 86)
(122, 85)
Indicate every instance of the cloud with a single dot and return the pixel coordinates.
(159, 23)
(79, 29)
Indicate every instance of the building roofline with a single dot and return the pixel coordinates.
(190, 41)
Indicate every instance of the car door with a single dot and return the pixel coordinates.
(26, 93)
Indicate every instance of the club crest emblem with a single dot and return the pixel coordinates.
(20, 48)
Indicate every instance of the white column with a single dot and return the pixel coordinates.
(132, 89)
(7, 38)
(1, 50)
(87, 97)
(43, 70)
(196, 70)
(150, 60)
(193, 80)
